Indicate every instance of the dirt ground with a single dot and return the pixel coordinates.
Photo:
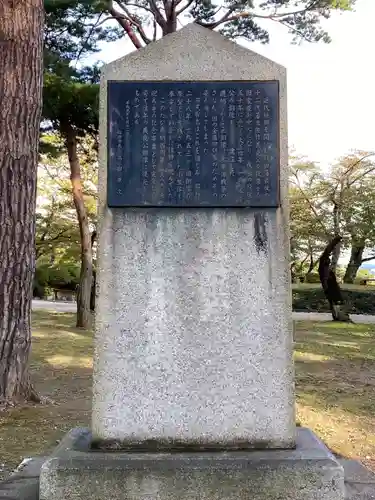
(335, 381)
(61, 369)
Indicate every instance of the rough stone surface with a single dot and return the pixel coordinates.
(310, 472)
(193, 321)
(359, 481)
(23, 483)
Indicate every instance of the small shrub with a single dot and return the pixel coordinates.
(313, 300)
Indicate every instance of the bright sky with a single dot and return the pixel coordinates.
(331, 103)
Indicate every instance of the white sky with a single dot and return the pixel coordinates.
(331, 97)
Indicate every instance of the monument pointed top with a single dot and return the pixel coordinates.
(190, 53)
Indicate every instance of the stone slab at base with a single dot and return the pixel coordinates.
(310, 472)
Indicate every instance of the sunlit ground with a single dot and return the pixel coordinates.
(335, 381)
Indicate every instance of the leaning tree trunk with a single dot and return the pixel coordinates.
(336, 229)
(85, 280)
(329, 283)
(21, 71)
(355, 261)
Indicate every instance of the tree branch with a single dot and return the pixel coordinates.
(330, 247)
(297, 183)
(157, 14)
(224, 19)
(275, 16)
(359, 177)
(189, 2)
(366, 259)
(167, 6)
(125, 24)
(43, 241)
(88, 37)
(351, 167)
(130, 4)
(133, 19)
(292, 28)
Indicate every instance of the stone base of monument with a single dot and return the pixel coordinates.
(309, 472)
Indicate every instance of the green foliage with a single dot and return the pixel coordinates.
(73, 29)
(308, 232)
(68, 102)
(340, 200)
(363, 274)
(62, 276)
(58, 246)
(313, 300)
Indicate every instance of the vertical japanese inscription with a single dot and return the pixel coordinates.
(223, 144)
(154, 142)
(179, 148)
(171, 171)
(197, 150)
(193, 144)
(162, 148)
(188, 121)
(145, 144)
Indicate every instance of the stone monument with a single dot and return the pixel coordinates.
(193, 377)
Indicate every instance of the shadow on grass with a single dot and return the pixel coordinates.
(61, 370)
(335, 386)
(335, 374)
(48, 320)
(328, 384)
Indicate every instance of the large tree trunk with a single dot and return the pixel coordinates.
(93, 285)
(329, 283)
(336, 229)
(355, 261)
(85, 281)
(21, 72)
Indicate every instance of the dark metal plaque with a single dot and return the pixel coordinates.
(193, 144)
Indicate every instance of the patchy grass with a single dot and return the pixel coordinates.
(61, 367)
(335, 380)
(344, 286)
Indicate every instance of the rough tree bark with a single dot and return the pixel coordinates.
(355, 261)
(336, 229)
(85, 281)
(93, 285)
(21, 63)
(329, 283)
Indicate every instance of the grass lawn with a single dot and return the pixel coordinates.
(335, 379)
(61, 367)
(344, 286)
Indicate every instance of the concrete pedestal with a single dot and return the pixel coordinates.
(310, 472)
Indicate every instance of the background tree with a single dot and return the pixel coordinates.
(71, 108)
(341, 192)
(73, 31)
(20, 99)
(354, 181)
(338, 202)
(143, 21)
(56, 222)
(309, 231)
(58, 242)
(146, 20)
(329, 283)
